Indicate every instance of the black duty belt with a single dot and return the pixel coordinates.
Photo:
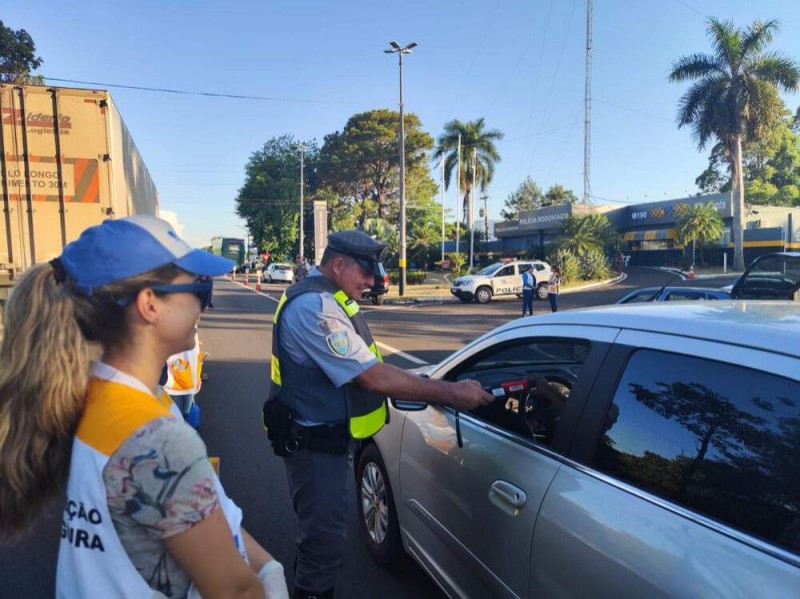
(322, 437)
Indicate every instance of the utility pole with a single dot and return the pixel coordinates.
(471, 206)
(587, 107)
(397, 49)
(441, 168)
(302, 159)
(485, 198)
(458, 189)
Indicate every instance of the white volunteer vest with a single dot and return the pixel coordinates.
(92, 562)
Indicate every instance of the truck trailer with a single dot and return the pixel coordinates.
(67, 161)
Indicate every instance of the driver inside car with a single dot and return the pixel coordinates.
(544, 406)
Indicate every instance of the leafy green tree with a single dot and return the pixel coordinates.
(269, 199)
(735, 96)
(474, 137)
(527, 196)
(360, 164)
(18, 57)
(384, 232)
(698, 224)
(558, 195)
(716, 177)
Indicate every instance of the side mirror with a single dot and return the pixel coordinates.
(408, 405)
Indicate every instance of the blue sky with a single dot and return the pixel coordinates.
(517, 63)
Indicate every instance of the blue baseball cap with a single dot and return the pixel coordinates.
(119, 249)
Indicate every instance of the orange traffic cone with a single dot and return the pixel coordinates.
(258, 284)
(246, 277)
(690, 274)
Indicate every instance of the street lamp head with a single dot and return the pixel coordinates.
(411, 45)
(394, 45)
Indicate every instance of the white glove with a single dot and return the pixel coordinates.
(271, 576)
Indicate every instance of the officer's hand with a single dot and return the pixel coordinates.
(468, 394)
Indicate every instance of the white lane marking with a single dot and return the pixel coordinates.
(402, 354)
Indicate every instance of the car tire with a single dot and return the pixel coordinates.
(377, 514)
(541, 291)
(483, 295)
(377, 300)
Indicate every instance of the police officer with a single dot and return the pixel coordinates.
(329, 387)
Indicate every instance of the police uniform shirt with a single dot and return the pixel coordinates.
(315, 329)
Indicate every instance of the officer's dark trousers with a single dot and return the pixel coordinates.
(527, 301)
(321, 486)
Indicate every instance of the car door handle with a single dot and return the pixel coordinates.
(509, 493)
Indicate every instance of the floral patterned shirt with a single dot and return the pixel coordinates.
(159, 483)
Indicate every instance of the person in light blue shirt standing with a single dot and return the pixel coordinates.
(528, 287)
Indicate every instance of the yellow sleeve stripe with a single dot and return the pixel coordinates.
(112, 412)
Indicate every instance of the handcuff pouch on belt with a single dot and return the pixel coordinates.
(287, 436)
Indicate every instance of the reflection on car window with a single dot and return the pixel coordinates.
(512, 372)
(720, 439)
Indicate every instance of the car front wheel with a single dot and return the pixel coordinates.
(483, 295)
(377, 522)
(541, 291)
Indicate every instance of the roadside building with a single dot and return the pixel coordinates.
(647, 231)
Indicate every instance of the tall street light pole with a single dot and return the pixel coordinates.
(400, 50)
(302, 149)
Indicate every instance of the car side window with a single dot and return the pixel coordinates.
(680, 296)
(720, 439)
(512, 372)
(505, 271)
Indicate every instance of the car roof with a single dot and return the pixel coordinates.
(769, 325)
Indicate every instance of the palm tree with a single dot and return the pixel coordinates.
(474, 138)
(735, 97)
(582, 235)
(699, 223)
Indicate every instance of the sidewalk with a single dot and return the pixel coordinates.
(702, 273)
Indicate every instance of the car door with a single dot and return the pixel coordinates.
(469, 511)
(680, 486)
(504, 281)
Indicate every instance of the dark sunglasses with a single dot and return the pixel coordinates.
(200, 288)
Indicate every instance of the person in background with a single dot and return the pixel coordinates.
(328, 390)
(145, 515)
(302, 269)
(184, 379)
(528, 289)
(553, 287)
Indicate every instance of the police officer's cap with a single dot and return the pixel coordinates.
(359, 246)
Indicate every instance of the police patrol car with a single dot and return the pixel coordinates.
(501, 278)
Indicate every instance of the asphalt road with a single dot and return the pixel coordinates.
(237, 336)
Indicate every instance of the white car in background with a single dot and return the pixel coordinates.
(501, 278)
(279, 271)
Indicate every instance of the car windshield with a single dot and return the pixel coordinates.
(283, 267)
(491, 269)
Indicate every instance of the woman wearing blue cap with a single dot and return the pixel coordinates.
(145, 515)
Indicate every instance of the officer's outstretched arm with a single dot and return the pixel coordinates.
(399, 384)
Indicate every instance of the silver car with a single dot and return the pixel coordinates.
(632, 451)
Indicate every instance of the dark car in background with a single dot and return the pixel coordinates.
(673, 294)
(379, 288)
(774, 276)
